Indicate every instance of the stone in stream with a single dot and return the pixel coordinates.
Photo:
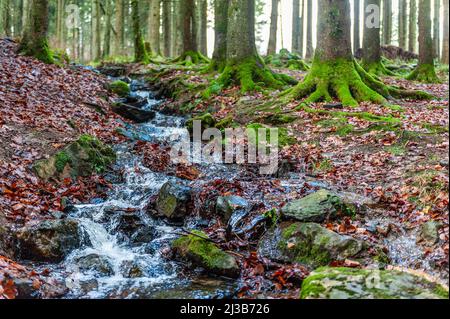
(50, 240)
(173, 200)
(6, 240)
(131, 269)
(133, 113)
(429, 232)
(316, 207)
(131, 225)
(95, 263)
(226, 206)
(83, 157)
(349, 283)
(205, 254)
(309, 244)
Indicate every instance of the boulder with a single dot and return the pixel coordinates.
(203, 253)
(429, 232)
(133, 113)
(131, 269)
(309, 244)
(131, 225)
(226, 206)
(316, 207)
(349, 283)
(173, 200)
(95, 263)
(83, 157)
(120, 88)
(50, 240)
(6, 240)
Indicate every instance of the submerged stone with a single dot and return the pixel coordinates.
(316, 207)
(348, 283)
(309, 244)
(206, 254)
(95, 263)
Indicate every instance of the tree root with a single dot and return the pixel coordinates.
(347, 81)
(190, 58)
(424, 73)
(377, 69)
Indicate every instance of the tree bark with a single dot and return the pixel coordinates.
(203, 27)
(272, 47)
(220, 34)
(334, 72)
(295, 40)
(107, 36)
(154, 26)
(356, 26)
(412, 43)
(167, 26)
(402, 26)
(6, 17)
(309, 40)
(445, 44)
(35, 42)
(387, 22)
(140, 53)
(119, 27)
(437, 29)
(425, 71)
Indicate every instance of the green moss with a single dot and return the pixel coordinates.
(283, 136)
(190, 58)
(424, 73)
(120, 88)
(277, 119)
(61, 160)
(324, 166)
(435, 129)
(441, 291)
(225, 123)
(396, 150)
(99, 155)
(207, 121)
(377, 69)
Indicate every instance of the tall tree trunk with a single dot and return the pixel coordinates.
(167, 26)
(6, 17)
(154, 26)
(295, 40)
(26, 8)
(402, 26)
(437, 28)
(412, 26)
(425, 71)
(356, 26)
(272, 47)
(220, 34)
(387, 22)
(119, 27)
(18, 26)
(203, 27)
(309, 26)
(334, 71)
(302, 29)
(98, 28)
(108, 26)
(34, 41)
(140, 53)
(371, 60)
(177, 24)
(445, 43)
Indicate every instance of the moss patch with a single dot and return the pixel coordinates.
(120, 88)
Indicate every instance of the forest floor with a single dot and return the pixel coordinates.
(395, 155)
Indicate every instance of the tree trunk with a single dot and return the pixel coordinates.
(177, 24)
(6, 17)
(445, 43)
(309, 40)
(402, 27)
(35, 42)
(18, 26)
(167, 26)
(412, 26)
(295, 40)
(387, 22)
(140, 53)
(203, 26)
(220, 34)
(334, 72)
(119, 27)
(437, 29)
(154, 26)
(425, 71)
(356, 26)
(26, 8)
(302, 29)
(107, 38)
(272, 47)
(371, 60)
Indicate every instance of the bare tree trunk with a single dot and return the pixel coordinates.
(309, 41)
(203, 26)
(425, 71)
(6, 17)
(356, 28)
(387, 22)
(167, 26)
(154, 26)
(295, 40)
(119, 27)
(412, 26)
(402, 26)
(272, 47)
(437, 29)
(140, 53)
(220, 34)
(445, 43)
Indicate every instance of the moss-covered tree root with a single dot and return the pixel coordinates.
(377, 69)
(347, 81)
(38, 49)
(189, 58)
(424, 73)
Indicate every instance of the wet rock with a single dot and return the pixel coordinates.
(50, 240)
(316, 207)
(114, 71)
(95, 263)
(120, 88)
(429, 232)
(131, 225)
(131, 269)
(309, 244)
(133, 113)
(26, 289)
(173, 200)
(207, 121)
(206, 254)
(86, 286)
(6, 240)
(226, 206)
(331, 106)
(83, 157)
(347, 283)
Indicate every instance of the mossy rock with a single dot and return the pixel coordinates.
(120, 88)
(309, 244)
(206, 254)
(348, 283)
(207, 121)
(317, 207)
(83, 157)
(173, 200)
